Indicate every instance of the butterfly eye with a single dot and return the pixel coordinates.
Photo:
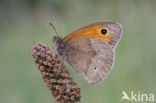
(103, 31)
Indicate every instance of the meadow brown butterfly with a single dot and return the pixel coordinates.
(90, 49)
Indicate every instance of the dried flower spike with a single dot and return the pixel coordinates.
(57, 78)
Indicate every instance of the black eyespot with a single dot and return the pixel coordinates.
(94, 68)
(103, 31)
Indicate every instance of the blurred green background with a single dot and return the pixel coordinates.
(25, 22)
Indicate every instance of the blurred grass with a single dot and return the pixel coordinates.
(25, 22)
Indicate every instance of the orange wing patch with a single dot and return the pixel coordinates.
(89, 31)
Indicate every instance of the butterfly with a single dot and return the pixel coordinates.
(90, 50)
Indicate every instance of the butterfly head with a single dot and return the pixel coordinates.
(59, 45)
(57, 40)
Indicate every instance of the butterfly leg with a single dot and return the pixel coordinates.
(61, 63)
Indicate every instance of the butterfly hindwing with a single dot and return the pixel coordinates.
(90, 58)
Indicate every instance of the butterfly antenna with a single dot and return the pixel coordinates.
(54, 28)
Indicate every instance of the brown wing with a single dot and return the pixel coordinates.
(90, 57)
(89, 52)
(115, 30)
